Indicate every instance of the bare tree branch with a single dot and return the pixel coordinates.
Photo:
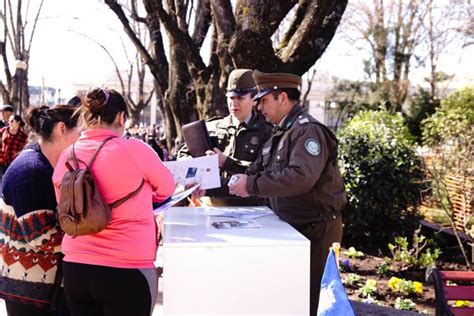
(202, 22)
(135, 15)
(297, 20)
(154, 68)
(34, 25)
(315, 33)
(189, 50)
(117, 69)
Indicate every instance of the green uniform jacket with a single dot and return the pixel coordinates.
(298, 171)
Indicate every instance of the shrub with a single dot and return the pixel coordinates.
(383, 178)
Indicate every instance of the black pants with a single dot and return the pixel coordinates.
(97, 290)
(321, 235)
(24, 309)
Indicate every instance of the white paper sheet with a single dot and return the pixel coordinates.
(204, 170)
(236, 224)
(240, 213)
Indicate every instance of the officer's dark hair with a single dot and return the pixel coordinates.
(292, 93)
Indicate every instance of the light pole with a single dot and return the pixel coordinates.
(20, 67)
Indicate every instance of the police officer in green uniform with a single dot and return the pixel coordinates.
(297, 170)
(238, 137)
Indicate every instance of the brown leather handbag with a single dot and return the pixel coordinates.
(82, 209)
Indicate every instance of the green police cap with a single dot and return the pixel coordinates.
(268, 82)
(240, 83)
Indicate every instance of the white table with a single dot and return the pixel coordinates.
(245, 271)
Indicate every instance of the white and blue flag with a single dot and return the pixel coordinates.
(333, 298)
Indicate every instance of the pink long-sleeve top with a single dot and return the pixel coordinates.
(130, 239)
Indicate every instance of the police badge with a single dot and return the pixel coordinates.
(312, 147)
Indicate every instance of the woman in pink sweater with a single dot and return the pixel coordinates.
(112, 272)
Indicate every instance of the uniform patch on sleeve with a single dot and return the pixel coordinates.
(312, 147)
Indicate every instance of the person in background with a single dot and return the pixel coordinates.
(111, 272)
(31, 252)
(7, 111)
(151, 140)
(74, 101)
(239, 135)
(298, 171)
(13, 139)
(164, 147)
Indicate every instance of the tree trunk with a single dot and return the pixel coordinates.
(242, 39)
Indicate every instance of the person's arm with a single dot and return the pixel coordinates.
(154, 171)
(233, 165)
(34, 214)
(301, 172)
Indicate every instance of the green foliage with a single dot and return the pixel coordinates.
(383, 178)
(369, 288)
(353, 253)
(422, 105)
(404, 304)
(416, 256)
(353, 279)
(383, 269)
(352, 97)
(452, 127)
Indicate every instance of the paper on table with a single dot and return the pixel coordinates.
(204, 170)
(172, 200)
(228, 224)
(238, 213)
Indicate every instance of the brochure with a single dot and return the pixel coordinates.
(204, 170)
(172, 200)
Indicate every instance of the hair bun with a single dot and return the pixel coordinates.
(33, 117)
(95, 101)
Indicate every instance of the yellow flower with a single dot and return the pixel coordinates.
(460, 303)
(418, 287)
(394, 283)
(371, 283)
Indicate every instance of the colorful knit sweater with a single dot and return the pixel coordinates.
(30, 256)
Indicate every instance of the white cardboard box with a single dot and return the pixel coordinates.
(241, 271)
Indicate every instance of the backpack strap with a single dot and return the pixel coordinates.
(125, 198)
(76, 160)
(97, 150)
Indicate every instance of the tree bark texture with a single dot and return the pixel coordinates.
(241, 38)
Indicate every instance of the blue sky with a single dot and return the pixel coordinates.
(62, 57)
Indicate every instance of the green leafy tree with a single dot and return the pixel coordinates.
(450, 133)
(423, 105)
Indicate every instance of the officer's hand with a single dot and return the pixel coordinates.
(199, 193)
(239, 187)
(222, 158)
